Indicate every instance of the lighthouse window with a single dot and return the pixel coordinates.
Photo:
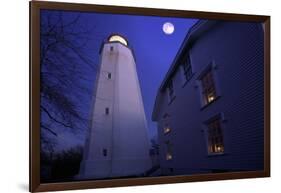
(109, 75)
(111, 48)
(104, 152)
(106, 110)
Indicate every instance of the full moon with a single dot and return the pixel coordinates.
(168, 28)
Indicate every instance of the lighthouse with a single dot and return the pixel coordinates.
(117, 144)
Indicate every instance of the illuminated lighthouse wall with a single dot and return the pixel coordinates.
(117, 144)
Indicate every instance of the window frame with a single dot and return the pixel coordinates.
(209, 93)
(169, 151)
(210, 68)
(166, 126)
(218, 117)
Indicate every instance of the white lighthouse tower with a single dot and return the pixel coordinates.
(117, 143)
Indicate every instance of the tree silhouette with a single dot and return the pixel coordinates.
(63, 166)
(64, 61)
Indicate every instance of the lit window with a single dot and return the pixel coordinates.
(169, 156)
(187, 70)
(215, 136)
(106, 110)
(167, 129)
(169, 151)
(208, 87)
(171, 92)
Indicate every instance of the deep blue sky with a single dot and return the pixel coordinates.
(154, 51)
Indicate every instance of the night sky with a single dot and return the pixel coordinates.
(154, 52)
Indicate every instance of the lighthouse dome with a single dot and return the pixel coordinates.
(118, 38)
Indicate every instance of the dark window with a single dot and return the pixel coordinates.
(171, 91)
(106, 110)
(104, 152)
(111, 48)
(208, 87)
(187, 70)
(215, 136)
(109, 75)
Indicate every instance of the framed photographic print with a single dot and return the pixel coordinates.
(123, 96)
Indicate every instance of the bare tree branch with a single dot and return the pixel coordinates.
(63, 82)
(48, 129)
(54, 119)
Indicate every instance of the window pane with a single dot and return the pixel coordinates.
(215, 137)
(106, 110)
(208, 87)
(104, 152)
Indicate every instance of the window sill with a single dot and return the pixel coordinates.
(216, 154)
(208, 104)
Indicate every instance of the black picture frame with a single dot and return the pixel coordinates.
(34, 100)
